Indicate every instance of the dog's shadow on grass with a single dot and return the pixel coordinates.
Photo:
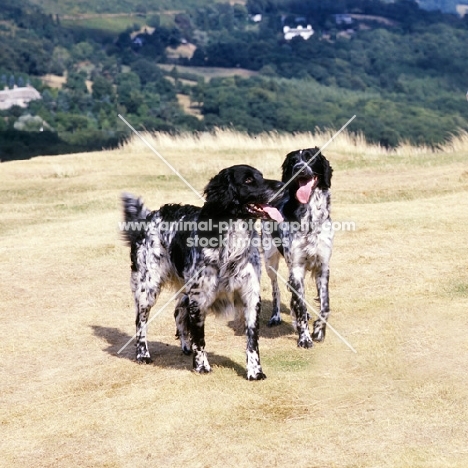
(163, 355)
(283, 329)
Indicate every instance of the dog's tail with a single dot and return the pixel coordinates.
(135, 218)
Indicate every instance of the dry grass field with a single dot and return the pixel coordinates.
(399, 295)
(185, 102)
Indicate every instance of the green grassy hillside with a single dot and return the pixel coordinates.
(78, 7)
(404, 77)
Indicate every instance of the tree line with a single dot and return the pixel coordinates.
(405, 79)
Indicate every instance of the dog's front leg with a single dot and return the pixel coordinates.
(298, 307)
(252, 310)
(322, 277)
(197, 331)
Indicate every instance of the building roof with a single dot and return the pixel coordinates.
(18, 97)
(305, 33)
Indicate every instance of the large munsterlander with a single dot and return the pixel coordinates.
(305, 239)
(222, 267)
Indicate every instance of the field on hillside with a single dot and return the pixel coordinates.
(87, 7)
(399, 295)
(211, 72)
(114, 24)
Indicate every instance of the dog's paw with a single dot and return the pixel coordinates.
(305, 342)
(144, 360)
(200, 362)
(257, 376)
(275, 320)
(203, 369)
(142, 354)
(318, 334)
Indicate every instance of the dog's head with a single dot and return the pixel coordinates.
(241, 192)
(307, 169)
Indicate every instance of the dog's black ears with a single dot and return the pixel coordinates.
(286, 167)
(325, 177)
(321, 167)
(219, 194)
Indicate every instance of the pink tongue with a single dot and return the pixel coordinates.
(273, 213)
(303, 193)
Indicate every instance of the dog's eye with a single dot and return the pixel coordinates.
(249, 180)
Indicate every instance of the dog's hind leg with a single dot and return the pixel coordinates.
(322, 277)
(146, 285)
(272, 262)
(298, 307)
(181, 315)
(145, 295)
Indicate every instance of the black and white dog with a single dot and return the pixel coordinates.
(305, 239)
(213, 251)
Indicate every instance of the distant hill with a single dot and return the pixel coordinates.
(402, 70)
(75, 7)
(447, 6)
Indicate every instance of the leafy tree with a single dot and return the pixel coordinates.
(147, 71)
(76, 82)
(141, 9)
(102, 88)
(61, 60)
(72, 122)
(82, 51)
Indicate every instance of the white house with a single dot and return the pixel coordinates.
(462, 9)
(305, 33)
(18, 97)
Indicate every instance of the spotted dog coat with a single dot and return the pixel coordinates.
(307, 248)
(216, 271)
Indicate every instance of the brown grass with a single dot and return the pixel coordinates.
(399, 293)
(54, 81)
(183, 50)
(186, 104)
